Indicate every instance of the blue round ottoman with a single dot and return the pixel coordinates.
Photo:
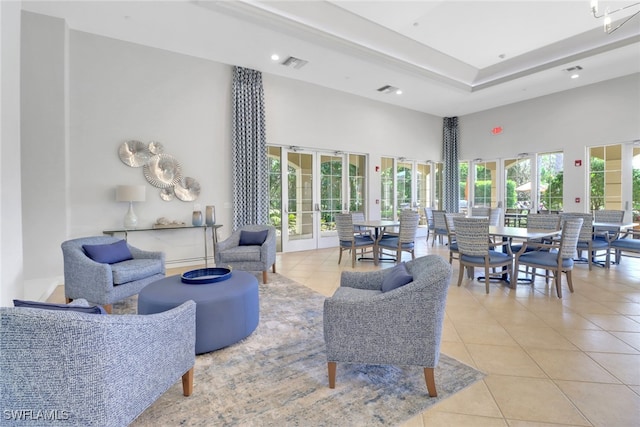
(226, 311)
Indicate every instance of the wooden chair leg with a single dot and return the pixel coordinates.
(331, 367)
(108, 308)
(460, 274)
(264, 276)
(187, 383)
(273, 268)
(486, 279)
(569, 281)
(431, 382)
(340, 257)
(558, 280)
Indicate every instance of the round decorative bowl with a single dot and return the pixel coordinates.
(203, 276)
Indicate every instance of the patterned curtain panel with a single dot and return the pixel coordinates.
(250, 177)
(451, 190)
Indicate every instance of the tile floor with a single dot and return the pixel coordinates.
(549, 362)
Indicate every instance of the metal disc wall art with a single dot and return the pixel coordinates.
(167, 194)
(162, 171)
(187, 190)
(134, 153)
(156, 147)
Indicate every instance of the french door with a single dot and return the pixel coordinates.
(314, 187)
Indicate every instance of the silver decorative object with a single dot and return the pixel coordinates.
(187, 189)
(134, 153)
(156, 147)
(162, 171)
(167, 194)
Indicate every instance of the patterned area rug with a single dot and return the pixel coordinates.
(278, 376)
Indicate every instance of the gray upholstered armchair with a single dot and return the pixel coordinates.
(403, 326)
(104, 283)
(248, 255)
(90, 369)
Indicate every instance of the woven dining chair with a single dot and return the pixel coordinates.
(451, 234)
(472, 236)
(557, 256)
(587, 241)
(349, 241)
(439, 226)
(405, 240)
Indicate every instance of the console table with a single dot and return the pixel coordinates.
(214, 234)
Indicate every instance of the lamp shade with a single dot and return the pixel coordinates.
(130, 193)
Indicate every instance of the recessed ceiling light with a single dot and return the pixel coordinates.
(575, 76)
(275, 57)
(399, 92)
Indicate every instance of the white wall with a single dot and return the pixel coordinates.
(11, 271)
(44, 136)
(570, 121)
(310, 116)
(118, 91)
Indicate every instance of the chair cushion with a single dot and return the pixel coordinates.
(495, 257)
(79, 307)
(396, 277)
(109, 253)
(250, 238)
(626, 244)
(547, 259)
(240, 254)
(595, 244)
(135, 269)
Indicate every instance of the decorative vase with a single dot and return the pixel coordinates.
(210, 215)
(196, 219)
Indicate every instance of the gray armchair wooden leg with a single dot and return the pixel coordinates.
(331, 367)
(187, 383)
(431, 382)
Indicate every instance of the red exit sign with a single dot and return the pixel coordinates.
(497, 130)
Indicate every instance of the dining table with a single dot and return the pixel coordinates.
(378, 226)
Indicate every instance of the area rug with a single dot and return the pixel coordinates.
(278, 376)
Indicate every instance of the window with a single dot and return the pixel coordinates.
(550, 181)
(605, 177)
(357, 183)
(635, 186)
(387, 190)
(485, 193)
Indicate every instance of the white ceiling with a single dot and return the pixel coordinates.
(449, 57)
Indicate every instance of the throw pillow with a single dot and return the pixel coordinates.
(250, 238)
(109, 253)
(396, 277)
(95, 309)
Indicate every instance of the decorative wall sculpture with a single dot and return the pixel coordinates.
(161, 170)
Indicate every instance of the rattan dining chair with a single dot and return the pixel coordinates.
(557, 256)
(349, 241)
(439, 226)
(405, 239)
(472, 236)
(587, 241)
(451, 235)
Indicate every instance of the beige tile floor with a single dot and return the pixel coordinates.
(549, 362)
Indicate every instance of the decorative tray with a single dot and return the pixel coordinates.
(205, 275)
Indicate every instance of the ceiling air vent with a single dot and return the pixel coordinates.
(388, 89)
(294, 62)
(573, 69)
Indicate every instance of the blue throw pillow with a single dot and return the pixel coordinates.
(250, 238)
(396, 277)
(109, 253)
(95, 309)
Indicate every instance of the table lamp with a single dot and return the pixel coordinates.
(130, 193)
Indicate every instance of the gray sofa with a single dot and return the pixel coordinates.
(102, 283)
(83, 369)
(403, 326)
